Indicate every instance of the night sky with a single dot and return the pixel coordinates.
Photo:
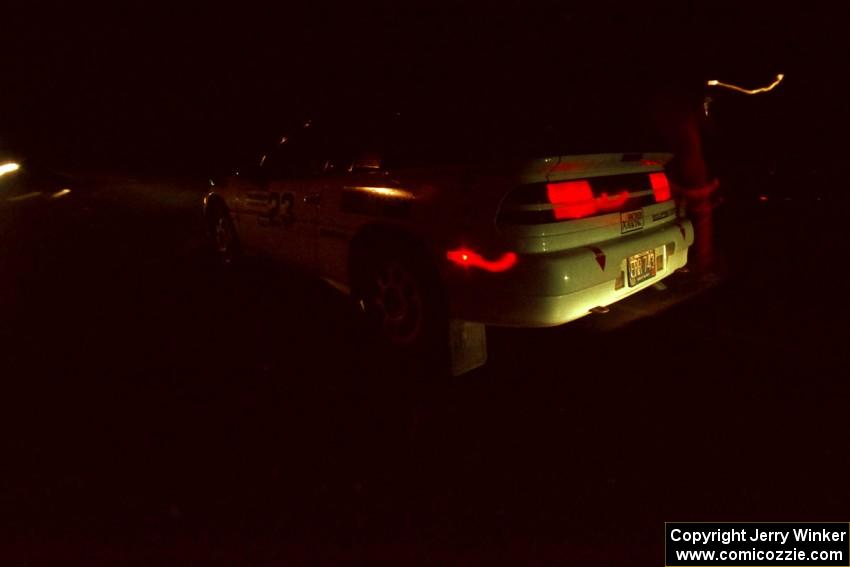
(136, 86)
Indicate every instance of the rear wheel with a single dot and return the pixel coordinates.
(399, 292)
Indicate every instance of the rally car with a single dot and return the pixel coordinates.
(524, 242)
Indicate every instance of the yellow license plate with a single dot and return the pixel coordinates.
(642, 267)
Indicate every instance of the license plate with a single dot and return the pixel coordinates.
(642, 267)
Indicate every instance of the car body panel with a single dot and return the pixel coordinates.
(563, 268)
(548, 289)
(275, 219)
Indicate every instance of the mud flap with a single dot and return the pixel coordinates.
(467, 346)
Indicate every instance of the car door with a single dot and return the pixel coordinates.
(349, 201)
(360, 190)
(280, 209)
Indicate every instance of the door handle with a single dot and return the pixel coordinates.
(313, 198)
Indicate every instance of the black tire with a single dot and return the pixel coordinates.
(221, 235)
(399, 292)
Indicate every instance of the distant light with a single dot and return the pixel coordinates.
(770, 87)
(9, 167)
(61, 193)
(24, 197)
(762, 198)
(386, 192)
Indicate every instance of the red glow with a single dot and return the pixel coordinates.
(660, 186)
(575, 200)
(762, 198)
(466, 257)
(571, 199)
(566, 166)
(606, 203)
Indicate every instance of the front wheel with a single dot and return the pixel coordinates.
(222, 235)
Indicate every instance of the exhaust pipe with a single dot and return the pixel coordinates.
(599, 309)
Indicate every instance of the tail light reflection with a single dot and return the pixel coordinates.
(467, 258)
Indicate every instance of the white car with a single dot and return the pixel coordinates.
(431, 250)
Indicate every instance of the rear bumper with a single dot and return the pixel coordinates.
(549, 289)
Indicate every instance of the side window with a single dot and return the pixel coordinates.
(338, 153)
(302, 155)
(360, 144)
(346, 144)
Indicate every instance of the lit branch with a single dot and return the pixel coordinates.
(768, 88)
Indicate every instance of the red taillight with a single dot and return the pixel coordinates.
(468, 258)
(575, 200)
(606, 203)
(571, 199)
(660, 186)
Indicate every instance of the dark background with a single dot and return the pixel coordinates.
(184, 87)
(156, 410)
